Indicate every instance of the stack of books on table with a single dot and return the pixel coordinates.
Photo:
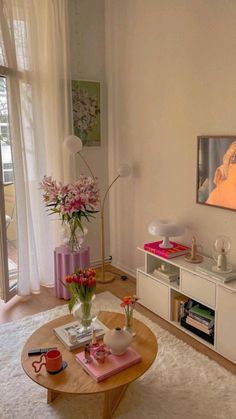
(112, 364)
(167, 253)
(200, 320)
(80, 337)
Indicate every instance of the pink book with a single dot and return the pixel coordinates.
(112, 364)
(176, 250)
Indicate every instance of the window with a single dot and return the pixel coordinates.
(4, 129)
(7, 193)
(8, 173)
(7, 166)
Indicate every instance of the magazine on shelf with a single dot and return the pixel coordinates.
(203, 320)
(203, 312)
(199, 325)
(167, 253)
(112, 365)
(178, 307)
(195, 331)
(206, 268)
(80, 337)
(171, 275)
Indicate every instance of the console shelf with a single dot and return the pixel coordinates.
(160, 282)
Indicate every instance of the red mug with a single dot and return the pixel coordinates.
(53, 361)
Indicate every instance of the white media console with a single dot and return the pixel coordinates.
(157, 293)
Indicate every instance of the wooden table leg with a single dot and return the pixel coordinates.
(111, 400)
(51, 395)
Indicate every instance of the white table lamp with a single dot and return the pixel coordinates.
(166, 229)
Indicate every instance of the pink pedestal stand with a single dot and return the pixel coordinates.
(65, 263)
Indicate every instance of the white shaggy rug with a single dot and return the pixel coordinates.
(182, 383)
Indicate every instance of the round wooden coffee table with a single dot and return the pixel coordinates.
(74, 380)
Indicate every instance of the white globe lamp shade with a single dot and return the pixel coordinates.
(166, 229)
(222, 243)
(221, 248)
(124, 170)
(73, 144)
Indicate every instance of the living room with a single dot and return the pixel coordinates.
(166, 76)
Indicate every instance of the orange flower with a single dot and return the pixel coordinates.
(127, 299)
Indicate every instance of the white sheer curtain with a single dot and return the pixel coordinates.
(33, 36)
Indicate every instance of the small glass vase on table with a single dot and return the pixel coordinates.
(128, 303)
(81, 286)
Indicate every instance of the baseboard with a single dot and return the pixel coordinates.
(97, 263)
(125, 269)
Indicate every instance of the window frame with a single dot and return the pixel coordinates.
(7, 292)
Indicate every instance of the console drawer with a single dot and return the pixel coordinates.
(153, 295)
(199, 288)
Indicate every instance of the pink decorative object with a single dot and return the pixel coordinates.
(167, 253)
(100, 353)
(65, 262)
(112, 364)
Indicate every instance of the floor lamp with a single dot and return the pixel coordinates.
(74, 145)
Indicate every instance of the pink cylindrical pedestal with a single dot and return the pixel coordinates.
(65, 263)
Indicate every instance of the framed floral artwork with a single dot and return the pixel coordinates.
(86, 111)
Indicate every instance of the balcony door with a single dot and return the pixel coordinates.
(8, 225)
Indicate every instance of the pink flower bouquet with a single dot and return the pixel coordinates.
(72, 202)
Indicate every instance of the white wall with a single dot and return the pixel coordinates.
(171, 67)
(87, 44)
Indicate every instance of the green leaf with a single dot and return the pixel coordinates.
(72, 302)
(65, 285)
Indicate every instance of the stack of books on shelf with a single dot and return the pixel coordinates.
(178, 308)
(200, 320)
(169, 253)
(171, 273)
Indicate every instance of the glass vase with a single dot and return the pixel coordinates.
(85, 313)
(129, 322)
(74, 235)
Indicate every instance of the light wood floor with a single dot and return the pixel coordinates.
(20, 307)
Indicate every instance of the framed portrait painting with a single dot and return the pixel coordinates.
(216, 171)
(86, 109)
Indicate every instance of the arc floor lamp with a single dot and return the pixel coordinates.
(74, 145)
